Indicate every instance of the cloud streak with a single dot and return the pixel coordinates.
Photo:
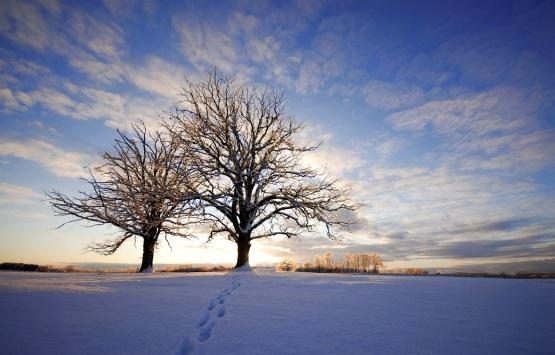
(16, 194)
(58, 161)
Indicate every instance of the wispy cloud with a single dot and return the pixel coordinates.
(58, 161)
(391, 96)
(157, 76)
(203, 44)
(8, 99)
(24, 22)
(337, 160)
(86, 103)
(498, 110)
(533, 245)
(389, 146)
(16, 194)
(497, 129)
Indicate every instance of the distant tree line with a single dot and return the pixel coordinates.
(352, 263)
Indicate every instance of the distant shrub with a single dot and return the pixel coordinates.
(415, 271)
(286, 265)
(70, 268)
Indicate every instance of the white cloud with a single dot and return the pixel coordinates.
(23, 22)
(263, 49)
(428, 201)
(85, 103)
(333, 53)
(328, 247)
(119, 110)
(103, 71)
(391, 96)
(40, 26)
(100, 37)
(241, 23)
(310, 78)
(157, 76)
(380, 172)
(56, 160)
(55, 101)
(203, 44)
(13, 64)
(90, 44)
(500, 109)
(334, 159)
(329, 156)
(16, 194)
(248, 44)
(389, 146)
(496, 129)
(8, 99)
(521, 151)
(95, 47)
(121, 8)
(23, 214)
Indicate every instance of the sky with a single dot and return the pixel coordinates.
(439, 115)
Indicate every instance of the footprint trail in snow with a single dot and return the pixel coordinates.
(208, 320)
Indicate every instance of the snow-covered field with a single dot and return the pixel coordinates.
(273, 313)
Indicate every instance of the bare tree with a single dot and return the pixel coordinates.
(137, 190)
(375, 261)
(328, 260)
(251, 183)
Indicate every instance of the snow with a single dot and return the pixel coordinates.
(264, 312)
(148, 270)
(244, 268)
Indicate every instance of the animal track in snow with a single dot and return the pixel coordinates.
(210, 316)
(205, 318)
(206, 330)
(211, 305)
(221, 311)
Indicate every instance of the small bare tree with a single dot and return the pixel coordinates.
(251, 184)
(136, 190)
(375, 261)
(328, 260)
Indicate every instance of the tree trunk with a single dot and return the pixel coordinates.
(148, 255)
(243, 248)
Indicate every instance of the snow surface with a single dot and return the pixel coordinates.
(149, 269)
(273, 313)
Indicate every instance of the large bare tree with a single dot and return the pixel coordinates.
(137, 190)
(251, 183)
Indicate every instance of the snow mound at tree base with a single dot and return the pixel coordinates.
(244, 268)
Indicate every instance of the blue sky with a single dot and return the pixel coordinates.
(440, 115)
